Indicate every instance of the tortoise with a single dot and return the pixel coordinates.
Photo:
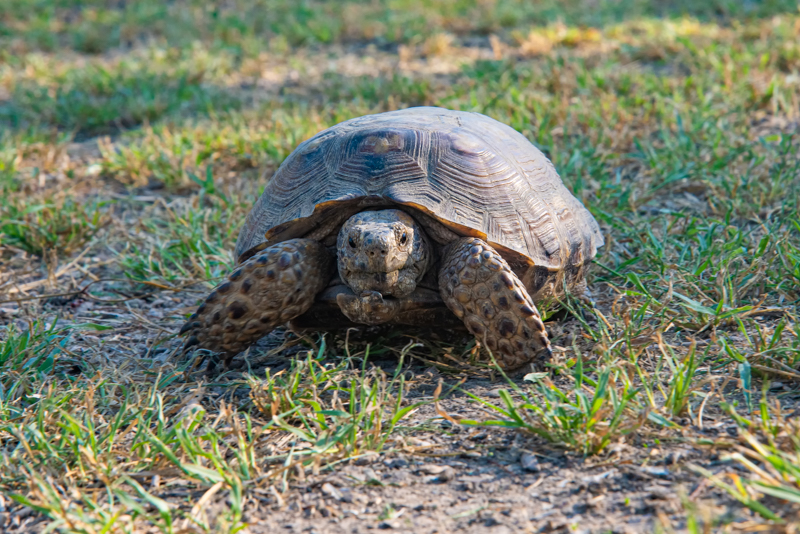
(422, 216)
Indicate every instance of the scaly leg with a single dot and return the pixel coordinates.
(481, 289)
(274, 286)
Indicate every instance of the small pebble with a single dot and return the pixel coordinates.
(346, 495)
(594, 479)
(8, 312)
(659, 492)
(370, 476)
(396, 463)
(530, 463)
(656, 471)
(367, 459)
(442, 473)
(447, 475)
(329, 490)
(674, 457)
(432, 469)
(490, 522)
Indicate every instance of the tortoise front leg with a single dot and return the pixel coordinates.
(368, 308)
(477, 284)
(274, 286)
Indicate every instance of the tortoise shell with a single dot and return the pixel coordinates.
(473, 174)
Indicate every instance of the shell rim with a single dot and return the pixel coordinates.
(462, 230)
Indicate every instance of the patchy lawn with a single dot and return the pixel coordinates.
(135, 136)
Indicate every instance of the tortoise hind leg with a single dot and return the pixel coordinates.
(478, 285)
(274, 286)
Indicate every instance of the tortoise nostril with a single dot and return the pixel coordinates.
(383, 253)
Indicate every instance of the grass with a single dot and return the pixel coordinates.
(131, 149)
(767, 449)
(588, 418)
(104, 97)
(92, 27)
(182, 241)
(98, 427)
(62, 225)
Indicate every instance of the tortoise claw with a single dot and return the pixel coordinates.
(190, 325)
(368, 308)
(542, 357)
(191, 342)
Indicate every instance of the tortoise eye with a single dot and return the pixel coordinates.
(352, 243)
(403, 238)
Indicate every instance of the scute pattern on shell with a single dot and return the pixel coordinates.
(476, 175)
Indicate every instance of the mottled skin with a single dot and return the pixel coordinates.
(382, 258)
(269, 289)
(481, 289)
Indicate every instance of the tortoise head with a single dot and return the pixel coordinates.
(384, 251)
